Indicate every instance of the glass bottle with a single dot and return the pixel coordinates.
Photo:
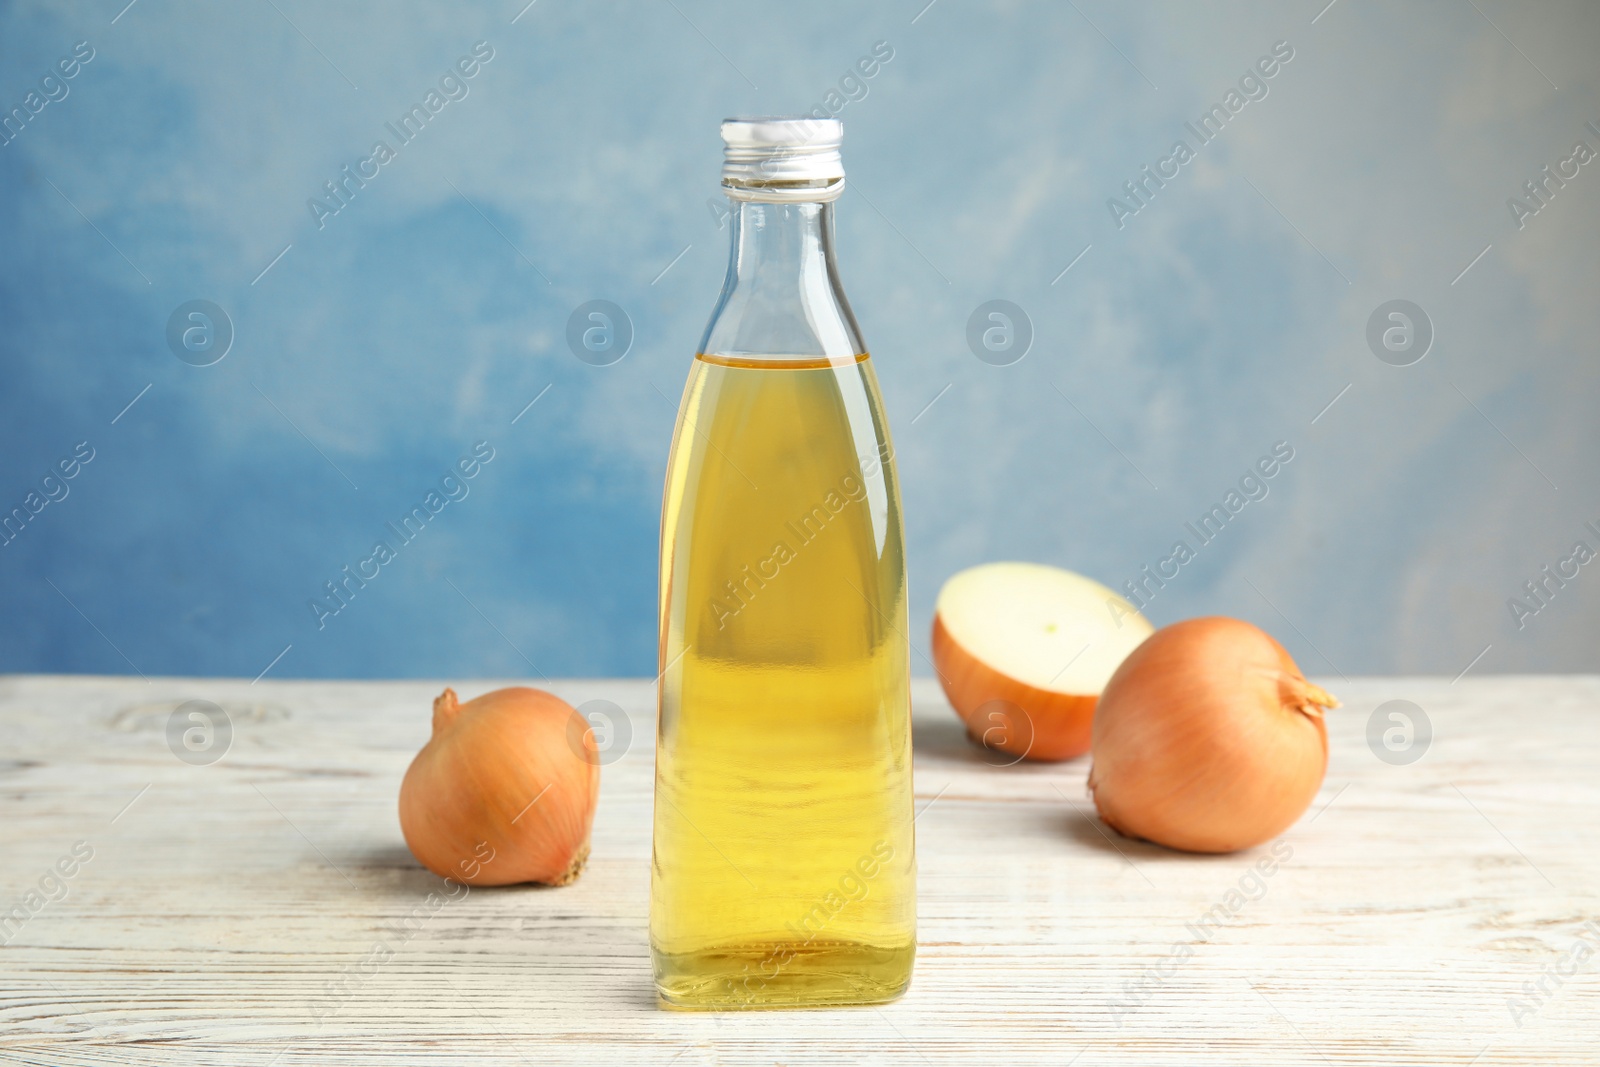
(783, 871)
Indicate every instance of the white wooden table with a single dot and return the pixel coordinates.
(229, 911)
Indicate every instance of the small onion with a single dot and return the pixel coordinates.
(504, 791)
(1208, 738)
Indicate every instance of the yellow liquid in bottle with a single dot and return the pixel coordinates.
(784, 869)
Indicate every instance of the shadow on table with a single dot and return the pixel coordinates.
(1086, 828)
(947, 742)
(947, 739)
(392, 870)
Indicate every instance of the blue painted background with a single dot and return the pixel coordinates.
(1221, 318)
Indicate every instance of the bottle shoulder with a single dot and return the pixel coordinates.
(782, 294)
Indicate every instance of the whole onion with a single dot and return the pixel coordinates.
(1208, 738)
(504, 791)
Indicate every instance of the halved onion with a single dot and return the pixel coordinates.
(1023, 651)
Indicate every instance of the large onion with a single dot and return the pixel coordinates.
(1208, 738)
(1023, 651)
(504, 791)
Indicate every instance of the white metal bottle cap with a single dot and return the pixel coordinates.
(800, 153)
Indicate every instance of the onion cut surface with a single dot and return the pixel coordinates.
(1023, 651)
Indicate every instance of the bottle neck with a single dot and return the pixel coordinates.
(782, 296)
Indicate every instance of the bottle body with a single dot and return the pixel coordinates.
(784, 863)
(783, 869)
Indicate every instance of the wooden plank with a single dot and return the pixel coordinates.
(229, 912)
